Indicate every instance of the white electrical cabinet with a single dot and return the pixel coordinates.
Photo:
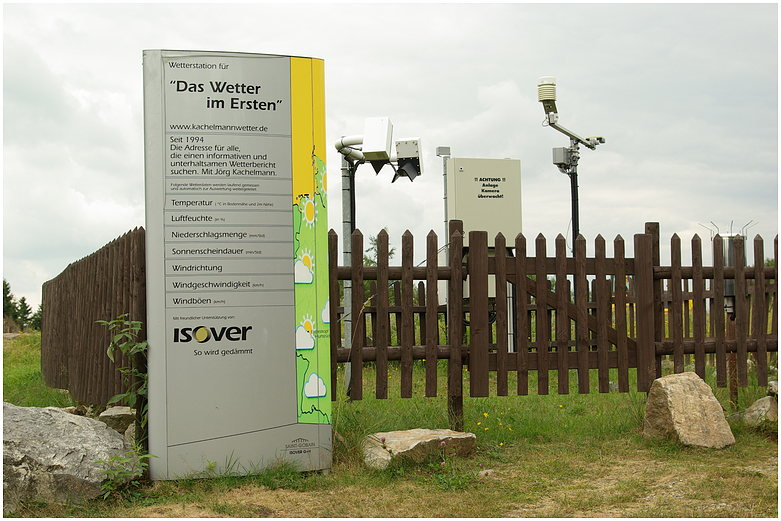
(486, 195)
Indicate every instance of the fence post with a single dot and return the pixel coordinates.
(644, 275)
(541, 315)
(741, 310)
(698, 306)
(431, 338)
(407, 330)
(521, 317)
(455, 328)
(478, 314)
(718, 311)
(355, 383)
(500, 247)
(382, 336)
(652, 229)
(760, 311)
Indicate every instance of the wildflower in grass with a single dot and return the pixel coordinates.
(486, 428)
(561, 406)
(485, 415)
(442, 443)
(501, 444)
(442, 464)
(479, 423)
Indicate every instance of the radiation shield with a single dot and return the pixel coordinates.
(237, 273)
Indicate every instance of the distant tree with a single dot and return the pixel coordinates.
(370, 256)
(37, 318)
(23, 313)
(9, 302)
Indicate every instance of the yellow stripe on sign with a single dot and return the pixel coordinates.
(318, 105)
(302, 112)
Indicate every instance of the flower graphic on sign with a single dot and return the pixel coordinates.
(314, 387)
(304, 268)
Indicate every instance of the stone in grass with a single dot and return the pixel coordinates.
(118, 417)
(417, 445)
(682, 407)
(772, 389)
(763, 410)
(130, 433)
(53, 456)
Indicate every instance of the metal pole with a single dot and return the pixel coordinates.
(732, 364)
(444, 198)
(573, 178)
(348, 226)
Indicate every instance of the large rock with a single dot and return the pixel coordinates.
(763, 410)
(51, 455)
(682, 407)
(772, 389)
(417, 445)
(118, 417)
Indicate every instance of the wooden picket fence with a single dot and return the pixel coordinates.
(624, 313)
(101, 286)
(578, 315)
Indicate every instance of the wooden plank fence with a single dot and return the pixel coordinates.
(577, 322)
(101, 286)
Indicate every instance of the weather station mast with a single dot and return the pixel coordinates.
(566, 158)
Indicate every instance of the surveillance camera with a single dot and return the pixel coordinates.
(408, 159)
(595, 140)
(546, 93)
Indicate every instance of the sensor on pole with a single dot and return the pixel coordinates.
(546, 93)
(566, 159)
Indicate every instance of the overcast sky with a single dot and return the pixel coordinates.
(686, 96)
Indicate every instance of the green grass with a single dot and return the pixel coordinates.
(22, 381)
(550, 455)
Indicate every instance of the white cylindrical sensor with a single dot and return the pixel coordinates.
(546, 88)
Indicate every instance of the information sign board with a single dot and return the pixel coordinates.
(237, 273)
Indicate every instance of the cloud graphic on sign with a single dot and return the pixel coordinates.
(303, 274)
(314, 387)
(304, 339)
(325, 316)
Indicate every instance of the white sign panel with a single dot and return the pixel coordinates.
(232, 143)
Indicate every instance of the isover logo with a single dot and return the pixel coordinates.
(203, 334)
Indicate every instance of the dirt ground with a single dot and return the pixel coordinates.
(643, 486)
